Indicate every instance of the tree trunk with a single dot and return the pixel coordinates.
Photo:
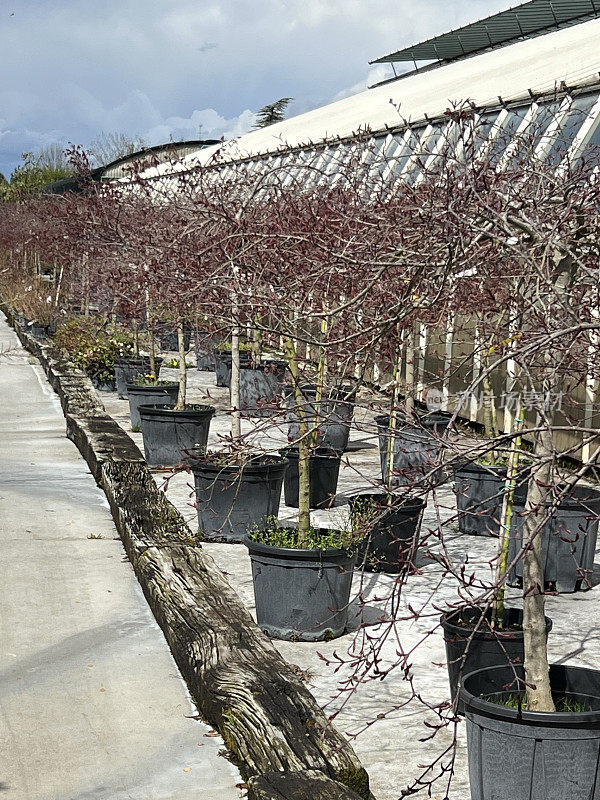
(539, 697)
(409, 400)
(181, 395)
(393, 421)
(506, 518)
(150, 323)
(236, 419)
(304, 449)
(256, 343)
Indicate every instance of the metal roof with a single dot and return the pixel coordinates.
(519, 22)
(167, 150)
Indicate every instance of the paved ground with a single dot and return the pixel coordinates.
(91, 702)
(393, 748)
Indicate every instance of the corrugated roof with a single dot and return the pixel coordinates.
(519, 22)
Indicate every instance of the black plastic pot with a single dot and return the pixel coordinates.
(231, 498)
(165, 395)
(261, 388)
(301, 594)
(103, 384)
(223, 365)
(568, 538)
(205, 344)
(324, 467)
(128, 369)
(38, 331)
(169, 341)
(437, 422)
(524, 755)
(416, 453)
(169, 434)
(392, 532)
(468, 650)
(479, 491)
(335, 415)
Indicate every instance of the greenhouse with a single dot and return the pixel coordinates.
(547, 82)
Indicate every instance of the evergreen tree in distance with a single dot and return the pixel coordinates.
(274, 112)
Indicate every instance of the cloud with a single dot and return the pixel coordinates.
(161, 69)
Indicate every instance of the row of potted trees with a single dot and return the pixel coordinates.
(329, 277)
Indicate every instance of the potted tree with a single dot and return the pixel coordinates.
(546, 222)
(302, 575)
(237, 485)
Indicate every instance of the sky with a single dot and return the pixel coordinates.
(187, 69)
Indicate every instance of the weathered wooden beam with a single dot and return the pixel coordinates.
(309, 785)
(269, 720)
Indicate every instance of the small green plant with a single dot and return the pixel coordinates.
(271, 533)
(174, 364)
(226, 346)
(94, 536)
(150, 380)
(93, 345)
(518, 700)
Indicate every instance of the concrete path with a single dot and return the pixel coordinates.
(92, 704)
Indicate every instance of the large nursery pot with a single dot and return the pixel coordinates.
(391, 533)
(205, 343)
(261, 387)
(437, 422)
(335, 415)
(516, 754)
(479, 490)
(128, 369)
(301, 594)
(103, 384)
(416, 452)
(469, 648)
(162, 395)
(233, 498)
(223, 365)
(169, 434)
(38, 331)
(324, 469)
(169, 340)
(568, 539)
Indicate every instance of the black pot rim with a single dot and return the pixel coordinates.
(197, 465)
(406, 503)
(346, 393)
(590, 498)
(191, 412)
(297, 553)
(270, 362)
(483, 632)
(556, 719)
(475, 467)
(134, 388)
(135, 360)
(318, 452)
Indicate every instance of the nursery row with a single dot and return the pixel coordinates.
(301, 298)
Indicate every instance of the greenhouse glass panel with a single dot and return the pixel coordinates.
(474, 135)
(502, 134)
(430, 141)
(592, 148)
(562, 138)
(409, 148)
